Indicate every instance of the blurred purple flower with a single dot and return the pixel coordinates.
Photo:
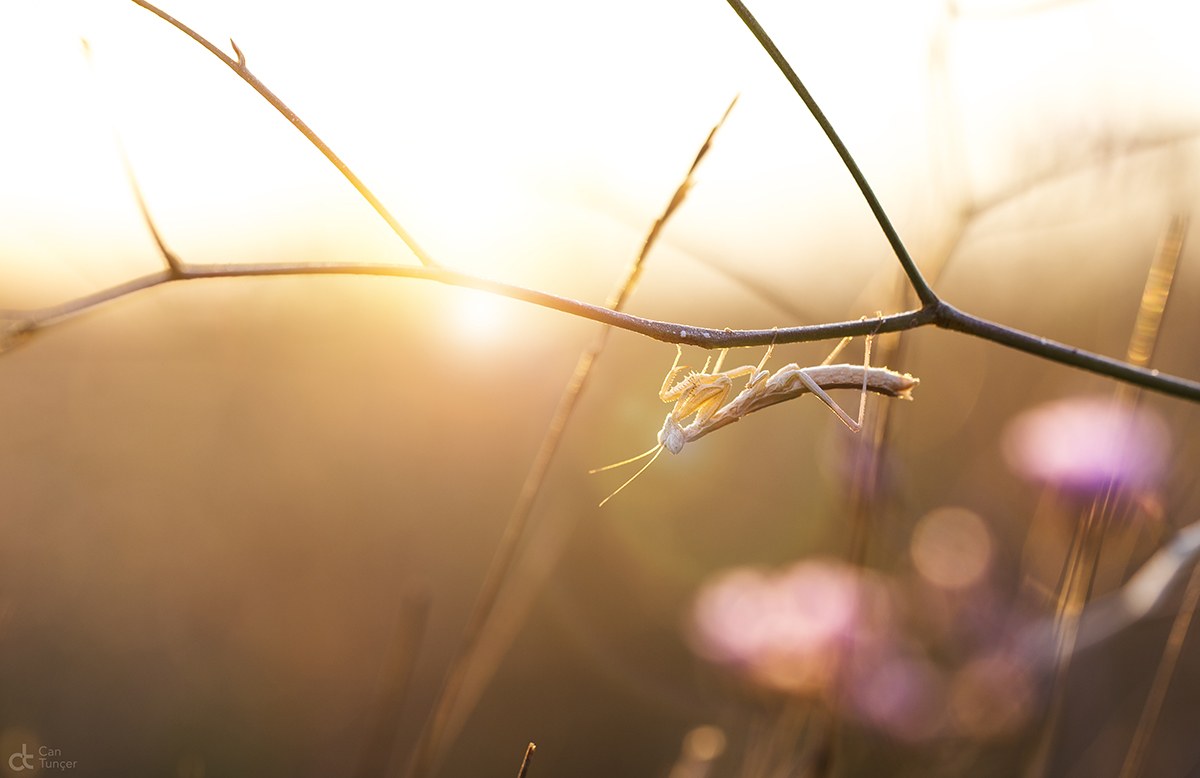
(992, 696)
(905, 696)
(1081, 444)
(785, 630)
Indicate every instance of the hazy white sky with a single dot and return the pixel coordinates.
(505, 134)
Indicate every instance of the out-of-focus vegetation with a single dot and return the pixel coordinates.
(216, 496)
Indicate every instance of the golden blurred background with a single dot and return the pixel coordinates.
(215, 496)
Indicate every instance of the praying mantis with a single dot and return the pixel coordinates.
(703, 395)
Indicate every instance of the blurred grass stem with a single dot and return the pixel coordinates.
(1083, 560)
(433, 741)
(525, 762)
(1141, 349)
(405, 645)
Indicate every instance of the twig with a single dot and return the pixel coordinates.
(924, 293)
(941, 315)
(239, 66)
(174, 264)
(950, 318)
(667, 332)
(525, 762)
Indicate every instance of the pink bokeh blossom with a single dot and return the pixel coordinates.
(784, 630)
(1082, 444)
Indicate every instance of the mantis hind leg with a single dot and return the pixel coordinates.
(854, 425)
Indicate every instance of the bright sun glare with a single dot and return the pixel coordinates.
(602, 120)
(479, 316)
(455, 151)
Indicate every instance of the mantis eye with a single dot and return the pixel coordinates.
(671, 435)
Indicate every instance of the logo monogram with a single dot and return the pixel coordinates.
(26, 760)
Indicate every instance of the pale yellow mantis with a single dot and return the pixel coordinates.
(703, 395)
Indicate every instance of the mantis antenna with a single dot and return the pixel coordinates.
(703, 396)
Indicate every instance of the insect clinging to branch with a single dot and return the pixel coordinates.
(703, 396)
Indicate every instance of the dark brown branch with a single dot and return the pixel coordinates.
(667, 332)
(924, 292)
(941, 315)
(950, 318)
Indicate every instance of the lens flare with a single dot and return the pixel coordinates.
(951, 548)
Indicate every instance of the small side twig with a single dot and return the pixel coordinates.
(942, 315)
(173, 262)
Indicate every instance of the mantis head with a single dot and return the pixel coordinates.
(671, 435)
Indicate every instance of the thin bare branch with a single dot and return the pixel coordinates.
(941, 315)
(37, 318)
(239, 66)
(172, 261)
(667, 332)
(924, 292)
(950, 318)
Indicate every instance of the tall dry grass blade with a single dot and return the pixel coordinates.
(1136, 756)
(1082, 566)
(525, 762)
(437, 733)
(1146, 592)
(772, 750)
(1141, 348)
(405, 645)
(1079, 569)
(1142, 342)
(1158, 289)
